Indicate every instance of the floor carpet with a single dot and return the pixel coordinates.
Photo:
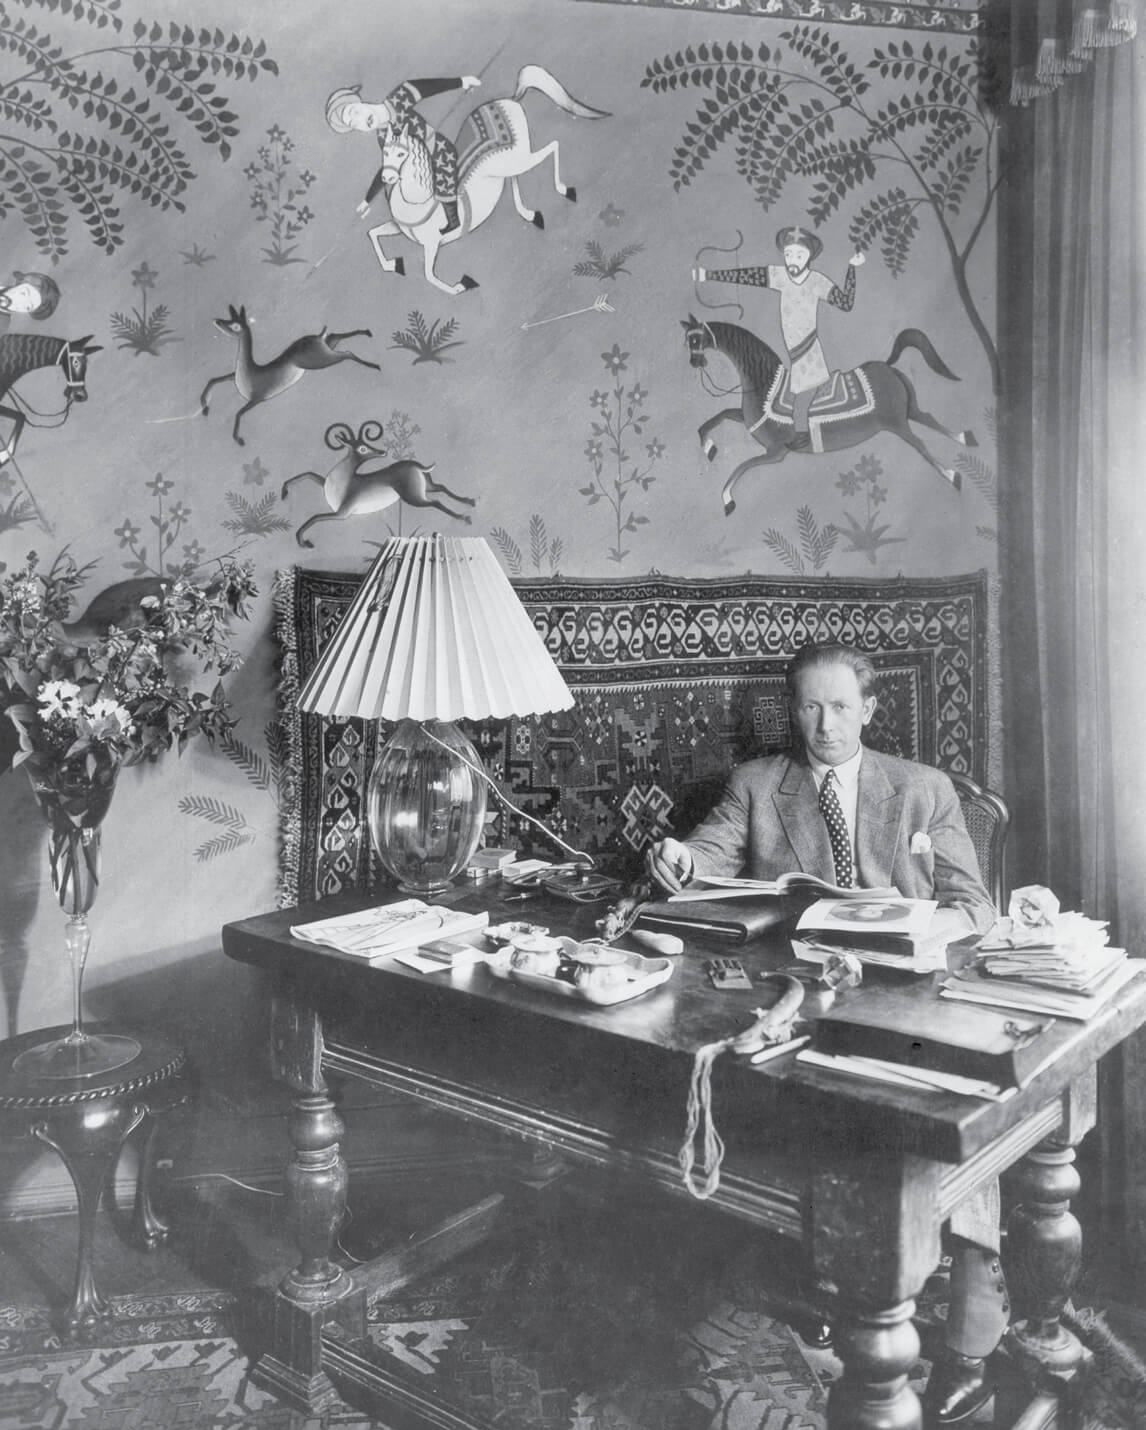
(579, 1323)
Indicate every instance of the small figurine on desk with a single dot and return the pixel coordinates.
(622, 915)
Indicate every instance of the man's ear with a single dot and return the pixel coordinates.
(868, 709)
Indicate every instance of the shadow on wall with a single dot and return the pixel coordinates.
(21, 878)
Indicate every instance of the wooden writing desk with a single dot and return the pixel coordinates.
(862, 1175)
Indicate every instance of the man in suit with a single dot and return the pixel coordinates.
(860, 818)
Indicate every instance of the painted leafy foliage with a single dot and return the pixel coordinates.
(816, 543)
(79, 141)
(602, 264)
(803, 110)
(428, 341)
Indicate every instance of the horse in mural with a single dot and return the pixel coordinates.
(494, 145)
(22, 353)
(849, 409)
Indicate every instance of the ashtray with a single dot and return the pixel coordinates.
(588, 972)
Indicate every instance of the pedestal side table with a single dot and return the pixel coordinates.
(88, 1121)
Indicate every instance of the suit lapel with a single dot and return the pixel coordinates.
(878, 810)
(798, 810)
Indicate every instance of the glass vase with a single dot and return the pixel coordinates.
(74, 800)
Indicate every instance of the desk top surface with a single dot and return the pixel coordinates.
(488, 1031)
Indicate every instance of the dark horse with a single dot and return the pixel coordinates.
(892, 407)
(22, 353)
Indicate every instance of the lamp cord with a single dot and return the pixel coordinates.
(579, 854)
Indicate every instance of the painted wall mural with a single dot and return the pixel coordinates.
(905, 139)
(295, 348)
(79, 144)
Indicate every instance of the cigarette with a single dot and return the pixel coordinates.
(774, 1052)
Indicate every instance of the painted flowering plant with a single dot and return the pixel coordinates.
(88, 695)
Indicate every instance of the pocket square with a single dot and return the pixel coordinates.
(921, 842)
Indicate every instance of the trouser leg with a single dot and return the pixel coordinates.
(979, 1306)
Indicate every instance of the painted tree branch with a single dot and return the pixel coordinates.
(804, 111)
(76, 143)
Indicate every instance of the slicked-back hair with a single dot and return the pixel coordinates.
(812, 655)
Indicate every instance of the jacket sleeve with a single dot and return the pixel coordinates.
(719, 843)
(958, 882)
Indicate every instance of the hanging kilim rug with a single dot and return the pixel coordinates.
(674, 681)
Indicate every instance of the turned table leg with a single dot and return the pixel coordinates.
(879, 1348)
(317, 1290)
(1044, 1241)
(875, 1235)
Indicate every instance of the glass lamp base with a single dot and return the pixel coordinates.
(426, 805)
(77, 1055)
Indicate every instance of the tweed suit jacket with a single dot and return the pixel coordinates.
(767, 822)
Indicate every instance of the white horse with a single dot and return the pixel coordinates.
(494, 145)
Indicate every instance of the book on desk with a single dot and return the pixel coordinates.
(374, 934)
(895, 932)
(892, 1024)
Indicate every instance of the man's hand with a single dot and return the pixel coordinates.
(699, 275)
(857, 260)
(470, 81)
(670, 864)
(363, 209)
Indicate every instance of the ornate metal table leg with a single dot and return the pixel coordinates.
(148, 1228)
(1044, 1242)
(88, 1140)
(316, 1290)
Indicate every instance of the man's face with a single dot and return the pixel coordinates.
(796, 258)
(20, 298)
(366, 118)
(831, 712)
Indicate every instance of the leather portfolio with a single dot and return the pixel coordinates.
(991, 1044)
(737, 920)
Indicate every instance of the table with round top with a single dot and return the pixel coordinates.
(88, 1121)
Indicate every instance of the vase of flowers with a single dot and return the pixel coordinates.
(86, 697)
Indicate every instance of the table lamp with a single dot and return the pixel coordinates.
(436, 634)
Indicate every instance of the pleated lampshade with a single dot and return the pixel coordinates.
(436, 634)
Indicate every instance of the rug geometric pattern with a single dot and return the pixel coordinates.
(587, 1325)
(675, 681)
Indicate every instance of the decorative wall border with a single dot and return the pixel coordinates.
(955, 19)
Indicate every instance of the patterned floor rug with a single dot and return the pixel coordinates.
(569, 1327)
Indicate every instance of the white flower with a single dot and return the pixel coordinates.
(27, 596)
(108, 719)
(59, 697)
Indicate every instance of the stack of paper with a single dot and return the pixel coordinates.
(1043, 961)
(1072, 953)
(378, 933)
(918, 1079)
(972, 985)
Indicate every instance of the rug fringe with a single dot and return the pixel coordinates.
(284, 607)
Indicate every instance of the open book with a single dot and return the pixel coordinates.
(377, 933)
(713, 886)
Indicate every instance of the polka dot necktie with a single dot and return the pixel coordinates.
(833, 813)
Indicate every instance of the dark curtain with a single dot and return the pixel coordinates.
(1073, 529)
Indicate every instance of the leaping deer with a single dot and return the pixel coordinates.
(260, 381)
(351, 490)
